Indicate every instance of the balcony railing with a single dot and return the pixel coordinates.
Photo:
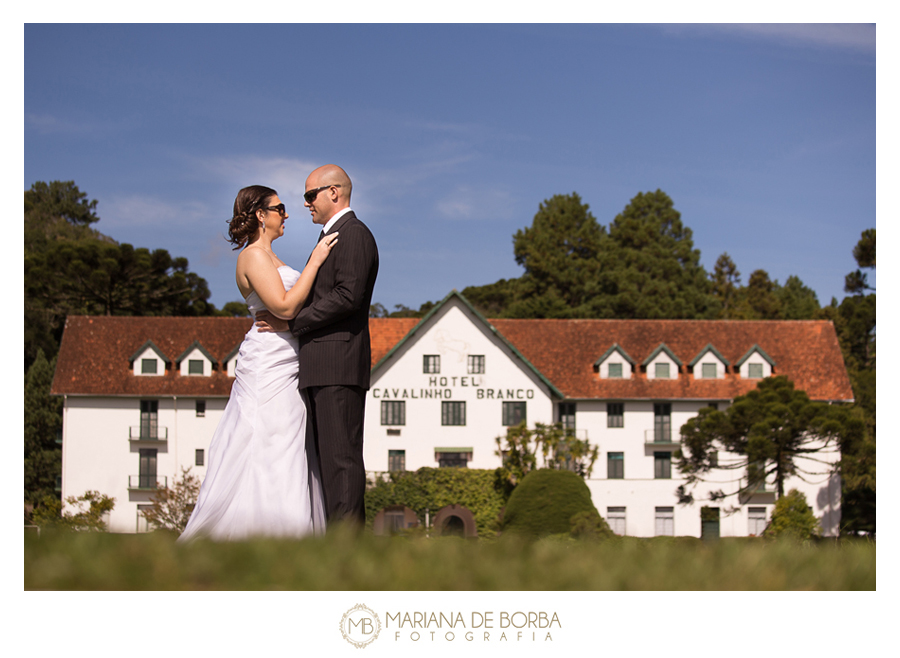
(581, 435)
(660, 439)
(148, 433)
(147, 482)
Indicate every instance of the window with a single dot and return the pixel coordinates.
(147, 469)
(615, 371)
(665, 521)
(757, 517)
(431, 364)
(615, 516)
(198, 457)
(709, 523)
(615, 465)
(709, 370)
(201, 408)
(149, 419)
(195, 367)
(148, 366)
(513, 413)
(662, 422)
(452, 459)
(662, 371)
(475, 365)
(662, 465)
(713, 405)
(567, 417)
(714, 459)
(754, 370)
(453, 413)
(615, 414)
(393, 412)
(396, 460)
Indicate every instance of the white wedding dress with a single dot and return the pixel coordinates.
(261, 479)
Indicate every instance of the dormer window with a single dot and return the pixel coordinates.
(755, 364)
(709, 364)
(662, 363)
(230, 361)
(195, 361)
(148, 361)
(615, 364)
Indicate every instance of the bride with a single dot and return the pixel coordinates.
(261, 479)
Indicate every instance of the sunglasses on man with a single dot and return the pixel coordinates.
(310, 196)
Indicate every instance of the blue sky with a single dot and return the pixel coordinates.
(763, 136)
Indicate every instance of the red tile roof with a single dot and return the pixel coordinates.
(565, 351)
(93, 357)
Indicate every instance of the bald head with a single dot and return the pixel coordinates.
(334, 196)
(331, 174)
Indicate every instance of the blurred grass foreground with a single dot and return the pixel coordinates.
(340, 561)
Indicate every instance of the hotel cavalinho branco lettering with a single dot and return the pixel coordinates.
(442, 388)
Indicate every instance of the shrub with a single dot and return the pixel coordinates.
(51, 514)
(590, 525)
(545, 502)
(792, 519)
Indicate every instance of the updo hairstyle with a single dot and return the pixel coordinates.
(244, 223)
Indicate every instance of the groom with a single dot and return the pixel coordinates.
(335, 355)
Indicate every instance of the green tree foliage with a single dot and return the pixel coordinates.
(645, 266)
(854, 321)
(857, 283)
(562, 253)
(43, 423)
(792, 519)
(726, 284)
(762, 298)
(433, 488)
(61, 199)
(545, 502)
(85, 519)
(559, 450)
(170, 509)
(72, 269)
(657, 272)
(776, 428)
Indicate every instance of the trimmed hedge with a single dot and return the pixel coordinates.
(545, 502)
(478, 490)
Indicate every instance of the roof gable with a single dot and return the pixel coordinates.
(441, 307)
(615, 348)
(709, 348)
(661, 348)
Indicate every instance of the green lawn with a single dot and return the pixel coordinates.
(100, 561)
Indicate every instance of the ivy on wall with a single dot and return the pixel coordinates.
(480, 491)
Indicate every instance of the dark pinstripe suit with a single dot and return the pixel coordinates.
(335, 364)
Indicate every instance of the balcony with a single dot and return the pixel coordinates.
(660, 439)
(581, 435)
(759, 491)
(147, 482)
(148, 434)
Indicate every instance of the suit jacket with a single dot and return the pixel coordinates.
(333, 325)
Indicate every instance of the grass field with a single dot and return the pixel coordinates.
(100, 561)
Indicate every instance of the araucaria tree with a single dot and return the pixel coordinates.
(775, 430)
